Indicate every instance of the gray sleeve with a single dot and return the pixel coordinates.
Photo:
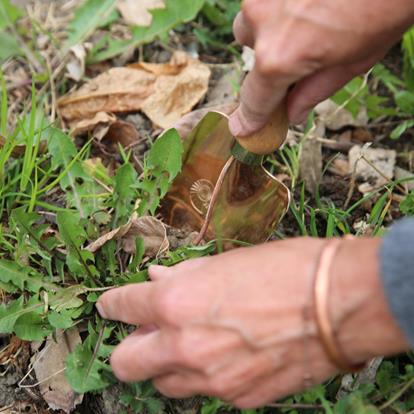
(397, 272)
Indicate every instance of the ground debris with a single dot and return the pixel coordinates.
(164, 92)
(374, 166)
(49, 366)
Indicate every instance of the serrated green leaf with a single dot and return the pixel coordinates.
(164, 20)
(64, 153)
(61, 320)
(74, 236)
(32, 327)
(88, 17)
(125, 194)
(82, 376)
(11, 313)
(163, 163)
(11, 272)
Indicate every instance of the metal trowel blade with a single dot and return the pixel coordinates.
(251, 202)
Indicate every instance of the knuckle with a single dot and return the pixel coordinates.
(219, 389)
(183, 351)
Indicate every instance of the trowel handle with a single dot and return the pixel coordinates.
(271, 137)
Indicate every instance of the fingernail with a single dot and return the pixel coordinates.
(101, 310)
(235, 126)
(158, 272)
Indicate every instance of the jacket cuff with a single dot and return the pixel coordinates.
(397, 273)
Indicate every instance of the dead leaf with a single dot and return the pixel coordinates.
(124, 133)
(311, 161)
(49, 366)
(76, 64)
(375, 166)
(339, 166)
(336, 117)
(150, 229)
(401, 174)
(135, 12)
(164, 92)
(101, 119)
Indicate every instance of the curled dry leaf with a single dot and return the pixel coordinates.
(137, 12)
(49, 366)
(375, 166)
(124, 133)
(102, 120)
(106, 125)
(76, 65)
(164, 92)
(150, 229)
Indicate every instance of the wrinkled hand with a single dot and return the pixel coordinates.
(232, 326)
(316, 45)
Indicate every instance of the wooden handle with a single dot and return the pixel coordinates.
(271, 137)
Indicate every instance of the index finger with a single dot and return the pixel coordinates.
(132, 304)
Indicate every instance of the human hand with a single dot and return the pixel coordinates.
(232, 325)
(308, 49)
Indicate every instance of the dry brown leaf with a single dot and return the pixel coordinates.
(311, 164)
(117, 90)
(150, 229)
(49, 366)
(124, 133)
(101, 119)
(164, 92)
(375, 166)
(136, 12)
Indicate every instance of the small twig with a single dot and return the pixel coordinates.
(213, 201)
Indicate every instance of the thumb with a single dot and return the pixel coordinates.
(259, 99)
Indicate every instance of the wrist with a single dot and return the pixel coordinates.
(360, 312)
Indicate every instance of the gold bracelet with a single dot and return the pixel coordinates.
(321, 304)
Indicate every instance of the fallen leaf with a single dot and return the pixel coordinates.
(150, 229)
(76, 65)
(164, 92)
(339, 166)
(124, 133)
(101, 119)
(401, 174)
(136, 12)
(311, 162)
(375, 166)
(336, 117)
(117, 90)
(49, 366)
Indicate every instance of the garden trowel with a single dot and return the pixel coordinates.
(223, 191)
